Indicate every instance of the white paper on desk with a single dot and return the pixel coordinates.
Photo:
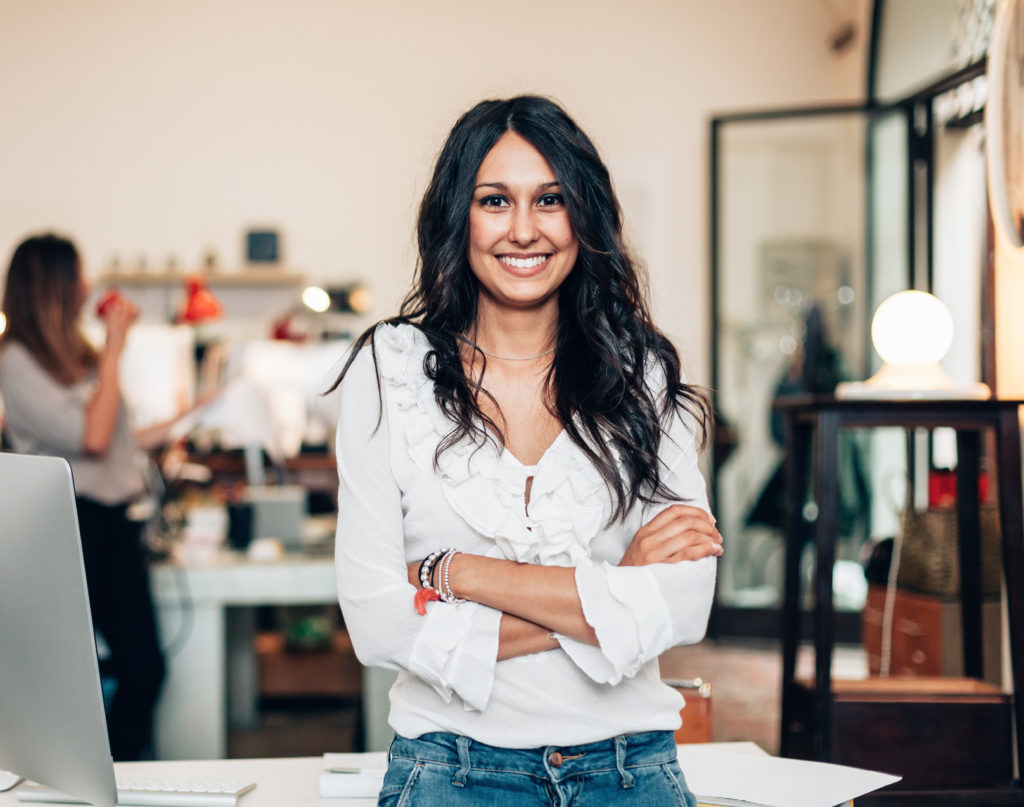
(714, 775)
(353, 775)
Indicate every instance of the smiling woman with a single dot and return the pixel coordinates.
(523, 528)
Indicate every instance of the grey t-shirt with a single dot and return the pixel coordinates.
(46, 417)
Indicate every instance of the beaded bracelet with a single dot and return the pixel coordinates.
(426, 592)
(441, 559)
(445, 589)
(427, 568)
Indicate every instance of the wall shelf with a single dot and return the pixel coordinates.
(244, 277)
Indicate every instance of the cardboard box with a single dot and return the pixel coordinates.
(696, 714)
(927, 638)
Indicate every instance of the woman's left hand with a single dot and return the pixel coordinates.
(680, 532)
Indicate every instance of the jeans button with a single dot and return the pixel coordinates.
(555, 759)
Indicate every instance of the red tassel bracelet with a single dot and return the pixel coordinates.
(423, 596)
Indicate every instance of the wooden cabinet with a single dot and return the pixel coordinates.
(329, 671)
(904, 726)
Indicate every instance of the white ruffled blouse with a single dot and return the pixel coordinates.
(395, 508)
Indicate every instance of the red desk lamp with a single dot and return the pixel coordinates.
(200, 304)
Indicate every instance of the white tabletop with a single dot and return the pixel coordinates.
(740, 771)
(232, 578)
(291, 781)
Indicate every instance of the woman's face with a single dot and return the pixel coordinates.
(521, 245)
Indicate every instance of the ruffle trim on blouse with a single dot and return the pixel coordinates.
(484, 484)
(630, 617)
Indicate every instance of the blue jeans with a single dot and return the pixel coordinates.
(449, 770)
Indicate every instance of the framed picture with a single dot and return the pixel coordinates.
(263, 246)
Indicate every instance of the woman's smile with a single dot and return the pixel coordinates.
(525, 266)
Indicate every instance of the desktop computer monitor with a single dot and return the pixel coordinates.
(52, 724)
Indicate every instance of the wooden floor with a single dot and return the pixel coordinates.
(746, 682)
(744, 676)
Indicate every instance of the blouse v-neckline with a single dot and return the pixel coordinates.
(534, 468)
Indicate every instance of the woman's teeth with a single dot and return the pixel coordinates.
(523, 263)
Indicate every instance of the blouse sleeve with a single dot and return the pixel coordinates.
(44, 415)
(453, 648)
(638, 612)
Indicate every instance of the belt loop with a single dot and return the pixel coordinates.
(460, 775)
(620, 761)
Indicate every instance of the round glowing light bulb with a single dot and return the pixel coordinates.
(912, 327)
(316, 299)
(3, 322)
(359, 300)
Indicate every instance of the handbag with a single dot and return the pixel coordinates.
(930, 555)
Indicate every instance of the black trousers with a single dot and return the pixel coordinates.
(122, 611)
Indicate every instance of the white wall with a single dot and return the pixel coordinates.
(917, 44)
(157, 129)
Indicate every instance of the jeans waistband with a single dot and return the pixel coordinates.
(617, 753)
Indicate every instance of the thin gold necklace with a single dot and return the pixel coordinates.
(505, 358)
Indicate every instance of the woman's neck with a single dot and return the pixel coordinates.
(514, 334)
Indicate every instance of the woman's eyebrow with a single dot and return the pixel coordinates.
(503, 187)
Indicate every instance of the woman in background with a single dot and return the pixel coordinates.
(523, 526)
(63, 398)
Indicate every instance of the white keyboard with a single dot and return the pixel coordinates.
(154, 793)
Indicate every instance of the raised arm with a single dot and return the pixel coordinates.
(103, 409)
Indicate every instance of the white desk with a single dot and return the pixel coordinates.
(211, 668)
(289, 782)
(294, 782)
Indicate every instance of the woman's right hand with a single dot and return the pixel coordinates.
(119, 315)
(679, 532)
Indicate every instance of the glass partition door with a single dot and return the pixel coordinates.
(792, 300)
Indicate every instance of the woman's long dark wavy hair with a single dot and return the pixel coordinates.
(606, 344)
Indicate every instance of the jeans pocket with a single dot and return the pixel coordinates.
(399, 780)
(675, 775)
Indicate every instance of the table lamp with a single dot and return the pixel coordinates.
(911, 332)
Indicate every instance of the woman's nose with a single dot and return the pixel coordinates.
(524, 226)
